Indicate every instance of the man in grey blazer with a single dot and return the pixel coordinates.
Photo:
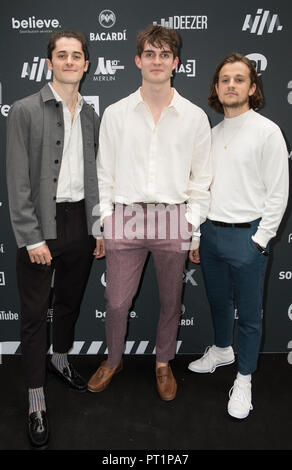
(52, 139)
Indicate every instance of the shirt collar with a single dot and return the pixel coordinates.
(59, 99)
(176, 102)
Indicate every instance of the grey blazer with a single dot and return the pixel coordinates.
(35, 137)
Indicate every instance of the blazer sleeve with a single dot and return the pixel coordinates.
(23, 215)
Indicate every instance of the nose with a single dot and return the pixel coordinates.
(69, 59)
(157, 59)
(231, 83)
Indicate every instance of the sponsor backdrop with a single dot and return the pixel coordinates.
(209, 31)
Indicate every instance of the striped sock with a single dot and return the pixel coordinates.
(60, 361)
(36, 399)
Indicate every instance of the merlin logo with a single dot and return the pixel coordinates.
(3, 107)
(184, 22)
(259, 61)
(261, 20)
(93, 101)
(189, 68)
(107, 18)
(36, 70)
(106, 69)
(289, 97)
(2, 278)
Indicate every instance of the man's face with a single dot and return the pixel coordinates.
(68, 62)
(156, 63)
(234, 87)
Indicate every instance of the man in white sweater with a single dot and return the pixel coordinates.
(249, 194)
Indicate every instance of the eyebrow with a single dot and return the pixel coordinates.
(74, 52)
(237, 75)
(163, 51)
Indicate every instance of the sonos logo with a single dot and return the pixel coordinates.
(262, 20)
(285, 275)
(107, 18)
(36, 70)
(259, 61)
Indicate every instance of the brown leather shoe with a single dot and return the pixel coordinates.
(166, 383)
(102, 377)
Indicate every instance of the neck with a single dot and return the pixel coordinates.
(158, 96)
(68, 92)
(230, 112)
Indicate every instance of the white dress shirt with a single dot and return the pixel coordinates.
(140, 161)
(250, 178)
(70, 186)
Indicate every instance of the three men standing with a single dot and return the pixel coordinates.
(52, 139)
(154, 153)
(249, 194)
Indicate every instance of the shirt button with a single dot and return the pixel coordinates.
(59, 124)
(55, 179)
(56, 161)
(58, 142)
(54, 198)
(57, 105)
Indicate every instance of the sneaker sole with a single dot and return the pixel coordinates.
(209, 371)
(238, 417)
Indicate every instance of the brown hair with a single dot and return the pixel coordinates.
(157, 36)
(255, 101)
(67, 34)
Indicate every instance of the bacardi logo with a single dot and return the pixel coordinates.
(263, 20)
(107, 18)
(37, 70)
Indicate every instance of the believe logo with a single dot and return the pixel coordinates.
(262, 20)
(4, 108)
(36, 70)
(33, 24)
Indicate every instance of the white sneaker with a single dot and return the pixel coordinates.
(239, 404)
(211, 360)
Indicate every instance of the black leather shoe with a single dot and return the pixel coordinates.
(38, 429)
(70, 376)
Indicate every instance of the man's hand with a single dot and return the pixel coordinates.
(40, 255)
(99, 250)
(194, 254)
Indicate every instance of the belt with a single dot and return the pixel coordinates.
(226, 224)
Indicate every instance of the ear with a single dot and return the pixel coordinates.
(175, 63)
(86, 65)
(252, 89)
(49, 64)
(138, 61)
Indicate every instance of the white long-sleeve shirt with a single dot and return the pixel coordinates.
(250, 176)
(140, 161)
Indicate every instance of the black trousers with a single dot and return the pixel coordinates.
(72, 253)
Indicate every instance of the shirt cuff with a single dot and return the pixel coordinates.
(36, 245)
(260, 238)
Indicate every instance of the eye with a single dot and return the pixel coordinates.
(165, 55)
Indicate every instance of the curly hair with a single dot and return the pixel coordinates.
(255, 101)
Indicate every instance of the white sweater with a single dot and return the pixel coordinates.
(250, 175)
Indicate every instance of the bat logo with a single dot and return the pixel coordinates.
(107, 18)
